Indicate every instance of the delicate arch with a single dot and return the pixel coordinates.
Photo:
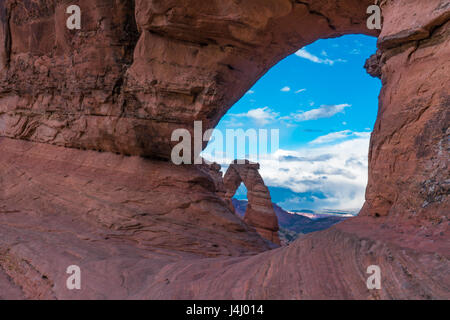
(260, 213)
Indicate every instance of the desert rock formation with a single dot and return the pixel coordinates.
(409, 151)
(140, 227)
(260, 213)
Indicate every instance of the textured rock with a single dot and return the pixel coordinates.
(409, 151)
(109, 85)
(260, 213)
(61, 206)
(142, 228)
(146, 229)
(329, 264)
(63, 86)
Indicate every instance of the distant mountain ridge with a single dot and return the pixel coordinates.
(295, 223)
(324, 213)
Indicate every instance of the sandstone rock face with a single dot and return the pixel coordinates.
(61, 86)
(150, 230)
(329, 264)
(105, 213)
(409, 175)
(142, 228)
(260, 213)
(109, 86)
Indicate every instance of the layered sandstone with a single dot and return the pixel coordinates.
(409, 176)
(104, 212)
(142, 228)
(150, 230)
(109, 86)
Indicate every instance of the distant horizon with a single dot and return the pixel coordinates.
(327, 212)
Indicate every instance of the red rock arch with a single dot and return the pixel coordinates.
(193, 61)
(260, 213)
(140, 69)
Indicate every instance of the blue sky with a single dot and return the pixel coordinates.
(324, 105)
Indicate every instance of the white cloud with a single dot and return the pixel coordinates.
(338, 136)
(250, 92)
(322, 112)
(331, 137)
(301, 90)
(362, 134)
(261, 115)
(338, 171)
(285, 89)
(302, 53)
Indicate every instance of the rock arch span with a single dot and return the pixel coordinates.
(138, 70)
(260, 213)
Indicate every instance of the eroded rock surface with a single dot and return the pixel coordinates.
(105, 213)
(141, 228)
(409, 177)
(109, 86)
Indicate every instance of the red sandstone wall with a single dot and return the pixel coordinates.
(122, 84)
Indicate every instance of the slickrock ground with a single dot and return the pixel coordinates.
(106, 213)
(144, 228)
